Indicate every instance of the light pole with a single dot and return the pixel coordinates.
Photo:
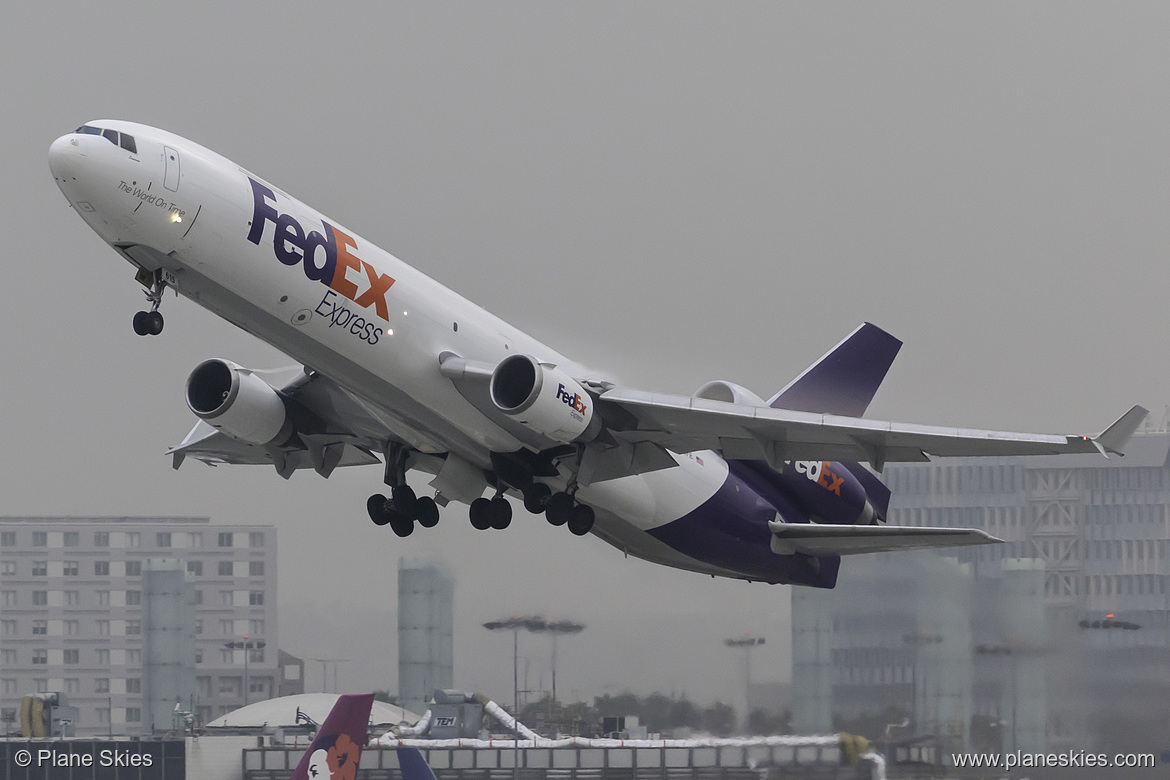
(559, 628)
(247, 646)
(514, 624)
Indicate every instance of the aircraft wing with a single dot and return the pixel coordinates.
(334, 429)
(746, 432)
(814, 539)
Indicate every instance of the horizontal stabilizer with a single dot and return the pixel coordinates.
(817, 539)
(1114, 438)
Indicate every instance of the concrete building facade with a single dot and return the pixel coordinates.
(73, 614)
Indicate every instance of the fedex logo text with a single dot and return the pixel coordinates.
(575, 401)
(327, 258)
(818, 471)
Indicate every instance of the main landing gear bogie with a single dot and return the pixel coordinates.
(563, 509)
(402, 510)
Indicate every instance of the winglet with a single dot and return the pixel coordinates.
(413, 765)
(1117, 435)
(339, 741)
(846, 377)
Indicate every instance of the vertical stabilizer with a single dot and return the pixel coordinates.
(845, 379)
(413, 765)
(337, 748)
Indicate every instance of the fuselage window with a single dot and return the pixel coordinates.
(111, 136)
(128, 144)
(87, 130)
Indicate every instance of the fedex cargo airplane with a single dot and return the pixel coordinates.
(398, 369)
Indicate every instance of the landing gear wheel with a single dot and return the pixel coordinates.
(480, 514)
(501, 513)
(154, 323)
(558, 508)
(376, 507)
(536, 497)
(581, 520)
(405, 500)
(400, 523)
(426, 511)
(140, 319)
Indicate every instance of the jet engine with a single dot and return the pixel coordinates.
(235, 401)
(545, 399)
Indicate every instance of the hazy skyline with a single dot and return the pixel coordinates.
(673, 192)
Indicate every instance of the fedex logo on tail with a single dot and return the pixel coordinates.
(575, 401)
(327, 258)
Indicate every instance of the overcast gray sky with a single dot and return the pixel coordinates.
(674, 192)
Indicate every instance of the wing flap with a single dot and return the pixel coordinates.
(813, 539)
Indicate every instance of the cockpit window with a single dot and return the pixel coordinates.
(112, 136)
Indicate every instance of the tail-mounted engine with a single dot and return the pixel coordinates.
(235, 401)
(545, 399)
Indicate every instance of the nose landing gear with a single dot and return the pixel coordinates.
(150, 323)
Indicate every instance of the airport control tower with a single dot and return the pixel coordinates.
(426, 598)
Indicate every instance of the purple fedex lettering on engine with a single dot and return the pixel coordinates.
(575, 401)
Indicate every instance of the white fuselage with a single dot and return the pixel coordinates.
(174, 205)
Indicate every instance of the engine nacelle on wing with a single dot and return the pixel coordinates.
(235, 401)
(730, 392)
(544, 398)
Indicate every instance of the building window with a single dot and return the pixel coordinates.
(72, 598)
(7, 568)
(256, 598)
(257, 686)
(101, 685)
(40, 539)
(40, 627)
(133, 539)
(133, 714)
(72, 539)
(256, 539)
(103, 598)
(72, 628)
(229, 684)
(73, 656)
(225, 568)
(70, 568)
(133, 627)
(40, 598)
(103, 714)
(104, 660)
(133, 598)
(195, 568)
(134, 685)
(225, 598)
(134, 657)
(133, 568)
(41, 685)
(225, 539)
(198, 626)
(256, 655)
(194, 539)
(255, 568)
(199, 655)
(101, 539)
(7, 538)
(40, 657)
(72, 685)
(7, 598)
(256, 627)
(103, 627)
(226, 627)
(101, 568)
(198, 598)
(8, 686)
(8, 657)
(40, 569)
(163, 539)
(7, 628)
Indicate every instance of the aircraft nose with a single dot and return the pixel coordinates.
(65, 156)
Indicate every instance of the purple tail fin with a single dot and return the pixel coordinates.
(337, 748)
(413, 765)
(845, 379)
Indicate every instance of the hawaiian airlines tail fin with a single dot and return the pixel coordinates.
(339, 742)
(413, 765)
(845, 379)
